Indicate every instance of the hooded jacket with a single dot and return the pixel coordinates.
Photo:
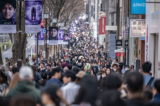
(25, 88)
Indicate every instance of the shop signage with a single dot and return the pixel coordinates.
(118, 42)
(138, 6)
(102, 25)
(146, 49)
(119, 54)
(137, 27)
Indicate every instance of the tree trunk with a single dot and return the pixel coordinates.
(1, 61)
(16, 45)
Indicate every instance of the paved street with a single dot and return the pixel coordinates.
(30, 43)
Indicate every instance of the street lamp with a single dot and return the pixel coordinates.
(46, 16)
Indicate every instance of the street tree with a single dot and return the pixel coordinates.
(65, 11)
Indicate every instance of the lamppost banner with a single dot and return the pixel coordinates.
(60, 36)
(8, 16)
(40, 37)
(65, 39)
(33, 15)
(69, 36)
(53, 35)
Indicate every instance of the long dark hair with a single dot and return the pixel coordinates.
(3, 76)
(88, 90)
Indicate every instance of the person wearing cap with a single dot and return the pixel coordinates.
(79, 64)
(25, 86)
(70, 89)
(79, 76)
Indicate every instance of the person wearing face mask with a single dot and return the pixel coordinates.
(126, 68)
(114, 68)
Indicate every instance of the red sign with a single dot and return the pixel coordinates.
(102, 25)
(43, 23)
(119, 54)
(147, 34)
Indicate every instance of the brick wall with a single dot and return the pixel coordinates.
(141, 54)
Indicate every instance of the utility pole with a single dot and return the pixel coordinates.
(107, 32)
(46, 42)
(118, 16)
(96, 18)
(98, 8)
(37, 51)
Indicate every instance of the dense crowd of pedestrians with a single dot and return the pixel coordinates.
(81, 76)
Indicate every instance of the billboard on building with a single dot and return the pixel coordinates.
(8, 16)
(33, 16)
(137, 27)
(138, 6)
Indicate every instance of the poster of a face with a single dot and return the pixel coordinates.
(60, 34)
(65, 38)
(8, 16)
(40, 37)
(7, 12)
(33, 15)
(53, 35)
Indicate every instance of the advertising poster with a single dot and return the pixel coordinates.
(65, 39)
(53, 35)
(60, 36)
(69, 36)
(8, 16)
(33, 16)
(40, 37)
(137, 27)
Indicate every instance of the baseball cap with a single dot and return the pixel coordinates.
(80, 74)
(26, 73)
